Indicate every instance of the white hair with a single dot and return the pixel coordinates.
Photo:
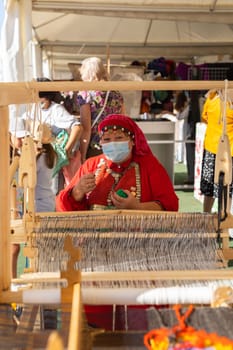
(93, 69)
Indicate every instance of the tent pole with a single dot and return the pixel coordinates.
(108, 61)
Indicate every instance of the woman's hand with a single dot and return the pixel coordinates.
(130, 202)
(86, 184)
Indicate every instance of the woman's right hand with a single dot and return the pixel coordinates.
(86, 184)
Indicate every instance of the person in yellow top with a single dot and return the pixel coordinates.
(212, 116)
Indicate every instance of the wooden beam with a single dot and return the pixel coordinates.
(171, 275)
(27, 92)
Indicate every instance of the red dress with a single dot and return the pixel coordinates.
(152, 183)
(149, 179)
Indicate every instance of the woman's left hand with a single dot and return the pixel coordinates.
(130, 202)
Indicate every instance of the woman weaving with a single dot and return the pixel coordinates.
(126, 176)
(127, 164)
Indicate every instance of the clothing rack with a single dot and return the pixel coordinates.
(208, 71)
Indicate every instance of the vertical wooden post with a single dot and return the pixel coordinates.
(5, 248)
(13, 201)
(75, 330)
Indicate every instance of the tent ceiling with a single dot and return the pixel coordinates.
(69, 31)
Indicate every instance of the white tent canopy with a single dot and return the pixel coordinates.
(69, 31)
(58, 32)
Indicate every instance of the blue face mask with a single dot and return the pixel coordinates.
(116, 151)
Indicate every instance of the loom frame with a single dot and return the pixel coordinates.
(27, 92)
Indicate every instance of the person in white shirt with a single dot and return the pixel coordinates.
(59, 120)
(45, 162)
(182, 106)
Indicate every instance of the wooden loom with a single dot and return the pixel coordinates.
(21, 230)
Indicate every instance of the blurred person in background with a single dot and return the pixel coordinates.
(95, 106)
(212, 115)
(66, 131)
(182, 107)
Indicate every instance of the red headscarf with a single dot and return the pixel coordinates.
(141, 147)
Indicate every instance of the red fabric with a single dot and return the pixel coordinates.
(155, 184)
(141, 147)
(102, 316)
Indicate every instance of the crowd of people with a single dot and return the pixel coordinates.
(101, 158)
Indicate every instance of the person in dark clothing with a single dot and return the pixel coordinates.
(188, 109)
